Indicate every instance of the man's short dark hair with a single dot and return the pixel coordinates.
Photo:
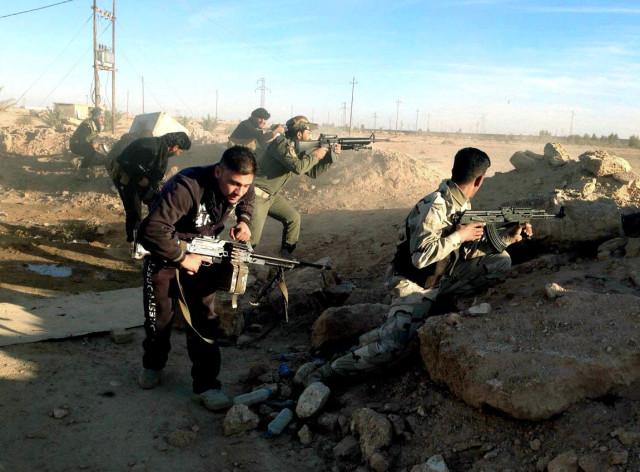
(260, 113)
(469, 164)
(239, 159)
(179, 139)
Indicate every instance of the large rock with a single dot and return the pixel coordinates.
(239, 418)
(601, 163)
(305, 287)
(342, 324)
(312, 400)
(522, 162)
(374, 429)
(594, 220)
(535, 362)
(556, 156)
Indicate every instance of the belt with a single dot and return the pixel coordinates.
(261, 193)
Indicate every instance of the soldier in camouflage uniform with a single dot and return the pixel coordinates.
(436, 261)
(278, 163)
(83, 142)
(251, 133)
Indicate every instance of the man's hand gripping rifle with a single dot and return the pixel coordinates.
(330, 140)
(506, 216)
(233, 256)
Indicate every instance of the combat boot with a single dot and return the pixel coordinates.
(286, 251)
(319, 375)
(149, 378)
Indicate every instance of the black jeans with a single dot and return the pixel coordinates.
(160, 291)
(133, 196)
(90, 157)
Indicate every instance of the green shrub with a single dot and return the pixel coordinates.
(53, 117)
(634, 141)
(24, 120)
(209, 123)
(110, 118)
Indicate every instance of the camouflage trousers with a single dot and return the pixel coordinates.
(389, 344)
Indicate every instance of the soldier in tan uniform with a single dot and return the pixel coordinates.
(251, 133)
(435, 262)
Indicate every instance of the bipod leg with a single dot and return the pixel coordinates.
(266, 288)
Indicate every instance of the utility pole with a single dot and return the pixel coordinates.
(375, 117)
(353, 84)
(417, 111)
(428, 120)
(397, 114)
(262, 89)
(104, 59)
(344, 113)
(571, 126)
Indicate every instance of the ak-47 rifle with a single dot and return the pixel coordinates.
(506, 216)
(330, 140)
(234, 256)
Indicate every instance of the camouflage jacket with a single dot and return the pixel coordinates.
(84, 134)
(280, 161)
(431, 225)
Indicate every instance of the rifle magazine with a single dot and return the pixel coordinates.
(494, 238)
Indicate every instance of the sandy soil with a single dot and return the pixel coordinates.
(351, 214)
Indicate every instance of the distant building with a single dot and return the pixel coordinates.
(74, 110)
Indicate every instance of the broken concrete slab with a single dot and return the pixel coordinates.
(72, 315)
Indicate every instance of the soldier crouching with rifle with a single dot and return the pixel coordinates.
(436, 261)
(195, 202)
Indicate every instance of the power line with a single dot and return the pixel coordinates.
(67, 74)
(34, 9)
(55, 60)
(161, 75)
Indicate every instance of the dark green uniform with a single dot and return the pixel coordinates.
(278, 163)
(249, 135)
(81, 142)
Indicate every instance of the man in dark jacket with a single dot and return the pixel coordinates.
(251, 132)
(83, 142)
(194, 202)
(142, 166)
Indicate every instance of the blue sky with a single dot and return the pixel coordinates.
(475, 65)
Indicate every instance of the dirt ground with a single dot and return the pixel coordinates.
(352, 214)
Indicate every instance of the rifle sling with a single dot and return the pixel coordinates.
(285, 294)
(182, 307)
